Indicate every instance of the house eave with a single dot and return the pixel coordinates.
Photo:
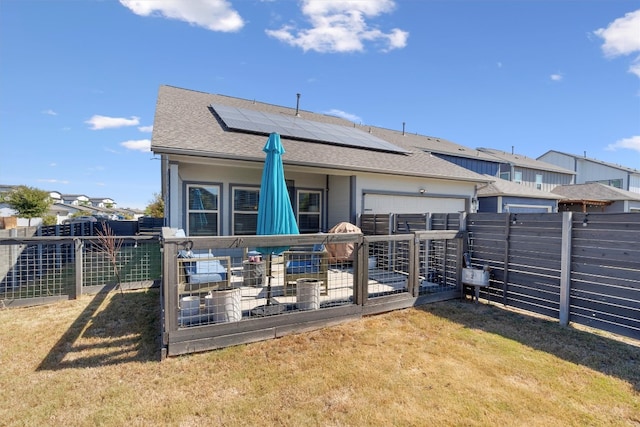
(350, 169)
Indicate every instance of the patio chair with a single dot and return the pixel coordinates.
(201, 273)
(306, 264)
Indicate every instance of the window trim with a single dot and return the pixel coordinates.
(232, 207)
(319, 213)
(539, 178)
(188, 210)
(516, 175)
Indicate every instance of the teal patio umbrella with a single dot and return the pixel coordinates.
(275, 214)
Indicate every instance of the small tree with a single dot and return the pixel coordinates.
(29, 202)
(155, 209)
(110, 246)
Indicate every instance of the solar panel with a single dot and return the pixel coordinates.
(298, 128)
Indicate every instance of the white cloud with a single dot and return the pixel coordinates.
(53, 181)
(556, 77)
(344, 115)
(50, 112)
(632, 143)
(145, 128)
(635, 67)
(143, 145)
(340, 26)
(103, 122)
(622, 37)
(214, 15)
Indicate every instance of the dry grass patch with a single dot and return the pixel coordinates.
(94, 361)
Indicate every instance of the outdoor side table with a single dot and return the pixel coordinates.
(253, 273)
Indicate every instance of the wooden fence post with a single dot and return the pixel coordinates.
(169, 285)
(361, 281)
(565, 268)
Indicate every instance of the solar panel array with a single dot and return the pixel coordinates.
(298, 128)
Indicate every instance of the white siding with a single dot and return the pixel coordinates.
(559, 159)
(344, 194)
(338, 198)
(634, 183)
(385, 194)
(384, 203)
(589, 171)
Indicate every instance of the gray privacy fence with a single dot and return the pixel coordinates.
(42, 269)
(574, 267)
(218, 291)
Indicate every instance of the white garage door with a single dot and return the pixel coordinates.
(384, 204)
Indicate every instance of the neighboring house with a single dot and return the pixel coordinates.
(590, 170)
(506, 196)
(75, 199)
(63, 211)
(530, 172)
(102, 202)
(212, 161)
(596, 197)
(494, 163)
(460, 155)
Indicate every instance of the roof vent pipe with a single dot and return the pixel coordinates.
(297, 104)
(403, 123)
(512, 150)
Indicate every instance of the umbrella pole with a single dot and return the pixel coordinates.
(269, 262)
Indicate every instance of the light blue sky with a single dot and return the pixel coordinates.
(79, 79)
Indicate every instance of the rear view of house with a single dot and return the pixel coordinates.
(212, 159)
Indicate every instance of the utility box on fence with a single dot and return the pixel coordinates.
(475, 277)
(478, 278)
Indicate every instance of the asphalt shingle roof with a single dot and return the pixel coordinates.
(502, 187)
(594, 191)
(185, 124)
(593, 160)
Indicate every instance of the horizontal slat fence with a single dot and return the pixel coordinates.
(601, 264)
(605, 272)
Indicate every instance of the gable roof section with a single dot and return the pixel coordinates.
(525, 162)
(502, 187)
(594, 191)
(185, 124)
(592, 160)
(442, 146)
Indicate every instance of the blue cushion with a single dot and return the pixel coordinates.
(302, 267)
(203, 271)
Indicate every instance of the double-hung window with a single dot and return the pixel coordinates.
(517, 177)
(203, 205)
(245, 210)
(309, 211)
(538, 181)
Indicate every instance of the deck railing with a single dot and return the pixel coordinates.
(212, 296)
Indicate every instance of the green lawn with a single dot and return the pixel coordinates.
(95, 361)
